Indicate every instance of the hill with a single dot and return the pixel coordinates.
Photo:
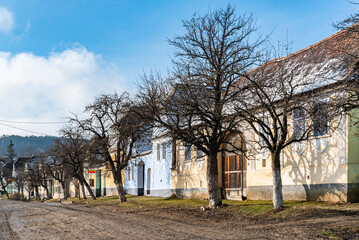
(26, 146)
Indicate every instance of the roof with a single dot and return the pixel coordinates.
(21, 161)
(328, 61)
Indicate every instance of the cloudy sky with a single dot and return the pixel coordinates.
(57, 56)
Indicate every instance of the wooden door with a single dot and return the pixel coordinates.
(234, 176)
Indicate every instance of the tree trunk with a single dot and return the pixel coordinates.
(63, 185)
(22, 192)
(37, 194)
(121, 190)
(214, 194)
(89, 189)
(277, 181)
(47, 193)
(78, 194)
(29, 193)
(83, 190)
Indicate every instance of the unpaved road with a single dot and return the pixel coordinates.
(33, 220)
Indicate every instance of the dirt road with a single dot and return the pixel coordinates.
(32, 220)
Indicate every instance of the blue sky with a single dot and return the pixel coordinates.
(58, 55)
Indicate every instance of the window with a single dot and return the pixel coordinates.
(261, 141)
(158, 152)
(187, 152)
(298, 119)
(264, 162)
(178, 157)
(129, 173)
(320, 119)
(133, 172)
(164, 151)
(199, 154)
(92, 182)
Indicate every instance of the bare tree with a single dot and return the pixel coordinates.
(58, 167)
(215, 50)
(45, 176)
(113, 122)
(20, 180)
(350, 25)
(33, 176)
(78, 153)
(287, 100)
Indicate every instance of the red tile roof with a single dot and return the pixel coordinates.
(325, 62)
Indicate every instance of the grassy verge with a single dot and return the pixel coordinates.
(242, 208)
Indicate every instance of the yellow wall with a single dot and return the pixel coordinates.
(310, 170)
(190, 176)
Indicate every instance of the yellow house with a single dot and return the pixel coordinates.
(324, 168)
(101, 180)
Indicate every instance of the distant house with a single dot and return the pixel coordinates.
(20, 164)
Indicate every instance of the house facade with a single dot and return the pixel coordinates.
(149, 173)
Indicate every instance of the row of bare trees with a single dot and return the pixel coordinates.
(29, 177)
(222, 82)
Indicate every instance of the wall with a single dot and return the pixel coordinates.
(189, 177)
(313, 170)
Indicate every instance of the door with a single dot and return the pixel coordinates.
(234, 176)
(98, 183)
(149, 181)
(140, 178)
(51, 187)
(104, 184)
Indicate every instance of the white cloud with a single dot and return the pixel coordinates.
(35, 88)
(7, 21)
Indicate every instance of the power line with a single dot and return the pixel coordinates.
(9, 121)
(22, 129)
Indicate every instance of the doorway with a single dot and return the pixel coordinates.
(148, 181)
(140, 178)
(98, 183)
(234, 168)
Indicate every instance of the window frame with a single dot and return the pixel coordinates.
(318, 130)
(199, 154)
(299, 119)
(158, 149)
(187, 152)
(261, 141)
(164, 150)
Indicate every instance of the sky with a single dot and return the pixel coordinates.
(57, 56)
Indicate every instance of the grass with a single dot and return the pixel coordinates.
(142, 202)
(246, 208)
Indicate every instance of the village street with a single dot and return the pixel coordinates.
(34, 220)
(24, 220)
